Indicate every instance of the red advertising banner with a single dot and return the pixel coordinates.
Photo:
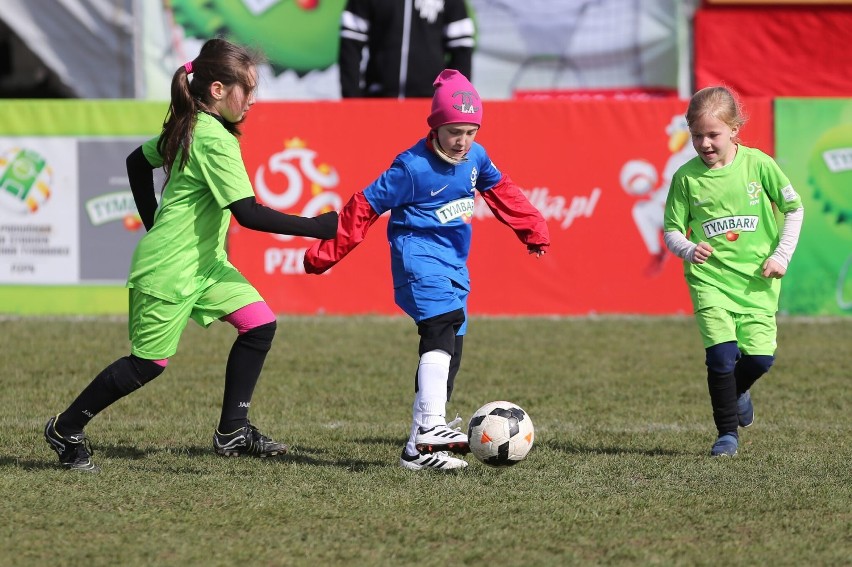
(598, 171)
(752, 50)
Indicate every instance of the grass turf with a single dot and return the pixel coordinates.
(619, 475)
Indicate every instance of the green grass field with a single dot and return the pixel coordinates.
(619, 475)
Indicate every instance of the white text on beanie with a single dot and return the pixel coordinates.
(455, 101)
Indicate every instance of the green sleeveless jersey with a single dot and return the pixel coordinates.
(187, 241)
(731, 209)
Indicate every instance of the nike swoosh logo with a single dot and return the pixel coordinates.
(439, 190)
(700, 203)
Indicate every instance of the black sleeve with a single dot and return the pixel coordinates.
(140, 173)
(353, 38)
(251, 214)
(461, 59)
(459, 46)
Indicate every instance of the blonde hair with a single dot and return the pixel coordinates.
(718, 102)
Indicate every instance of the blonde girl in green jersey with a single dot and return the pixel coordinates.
(180, 270)
(720, 219)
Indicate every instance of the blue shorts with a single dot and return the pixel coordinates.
(432, 296)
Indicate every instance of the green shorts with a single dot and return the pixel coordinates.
(754, 333)
(156, 324)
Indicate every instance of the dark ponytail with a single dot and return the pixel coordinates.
(219, 60)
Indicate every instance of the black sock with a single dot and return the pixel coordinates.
(723, 397)
(749, 368)
(455, 364)
(120, 378)
(242, 373)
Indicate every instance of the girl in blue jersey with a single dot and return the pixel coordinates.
(429, 190)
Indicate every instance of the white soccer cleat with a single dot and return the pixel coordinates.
(441, 438)
(441, 461)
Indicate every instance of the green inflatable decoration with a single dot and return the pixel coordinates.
(814, 147)
(301, 35)
(830, 169)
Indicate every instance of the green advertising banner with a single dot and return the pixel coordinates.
(813, 145)
(81, 118)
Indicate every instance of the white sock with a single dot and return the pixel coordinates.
(430, 402)
(410, 447)
(432, 378)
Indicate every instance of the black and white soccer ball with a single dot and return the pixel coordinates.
(500, 434)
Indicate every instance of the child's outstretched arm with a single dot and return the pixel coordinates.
(355, 220)
(512, 208)
(251, 214)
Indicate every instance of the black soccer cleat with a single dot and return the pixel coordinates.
(246, 441)
(75, 451)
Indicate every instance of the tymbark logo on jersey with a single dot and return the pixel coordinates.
(459, 208)
(733, 225)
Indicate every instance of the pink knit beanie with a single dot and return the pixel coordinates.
(455, 101)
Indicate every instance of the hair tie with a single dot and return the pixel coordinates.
(188, 67)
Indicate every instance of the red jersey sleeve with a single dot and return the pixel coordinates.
(512, 208)
(353, 223)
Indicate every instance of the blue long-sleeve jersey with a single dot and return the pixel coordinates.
(431, 205)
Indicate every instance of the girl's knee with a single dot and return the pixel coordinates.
(722, 358)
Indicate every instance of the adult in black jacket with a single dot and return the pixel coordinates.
(409, 42)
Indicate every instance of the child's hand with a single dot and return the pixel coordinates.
(772, 269)
(701, 253)
(536, 249)
(326, 225)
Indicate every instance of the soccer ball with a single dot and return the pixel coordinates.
(500, 434)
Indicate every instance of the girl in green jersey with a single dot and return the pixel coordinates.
(720, 219)
(180, 269)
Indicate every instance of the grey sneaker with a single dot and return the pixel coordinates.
(725, 446)
(246, 441)
(75, 451)
(745, 410)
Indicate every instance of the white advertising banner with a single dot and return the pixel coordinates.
(39, 240)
